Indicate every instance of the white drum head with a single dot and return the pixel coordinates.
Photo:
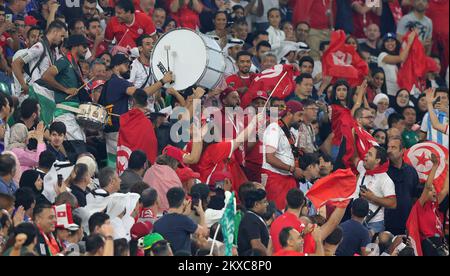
(187, 57)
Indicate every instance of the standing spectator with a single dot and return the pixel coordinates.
(372, 34)
(220, 28)
(392, 54)
(355, 236)
(376, 187)
(438, 12)
(244, 78)
(253, 233)
(159, 17)
(377, 84)
(304, 88)
(363, 16)
(176, 226)
(406, 183)
(430, 133)
(186, 12)
(276, 35)
(261, 19)
(128, 25)
(262, 48)
(306, 137)
(231, 51)
(302, 32)
(96, 38)
(410, 135)
(417, 19)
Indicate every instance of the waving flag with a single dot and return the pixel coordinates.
(412, 226)
(228, 226)
(268, 79)
(342, 61)
(136, 133)
(417, 65)
(46, 99)
(419, 156)
(335, 188)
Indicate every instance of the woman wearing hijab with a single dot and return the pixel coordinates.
(383, 112)
(32, 179)
(27, 150)
(402, 100)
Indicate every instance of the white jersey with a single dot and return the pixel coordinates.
(32, 57)
(139, 75)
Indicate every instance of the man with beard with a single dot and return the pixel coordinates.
(94, 34)
(40, 57)
(306, 141)
(29, 113)
(118, 91)
(325, 165)
(159, 18)
(128, 25)
(280, 155)
(309, 163)
(64, 78)
(365, 118)
(244, 78)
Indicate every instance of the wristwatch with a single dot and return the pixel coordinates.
(162, 82)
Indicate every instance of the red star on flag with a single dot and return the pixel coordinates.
(422, 159)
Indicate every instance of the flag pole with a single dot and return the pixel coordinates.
(214, 240)
(275, 88)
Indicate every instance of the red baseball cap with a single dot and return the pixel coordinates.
(260, 95)
(175, 153)
(141, 229)
(226, 92)
(30, 20)
(187, 173)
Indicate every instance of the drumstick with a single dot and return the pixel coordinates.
(114, 115)
(78, 90)
(167, 48)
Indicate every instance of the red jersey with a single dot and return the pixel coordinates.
(101, 48)
(3, 41)
(285, 220)
(289, 253)
(360, 22)
(126, 35)
(430, 222)
(238, 82)
(186, 17)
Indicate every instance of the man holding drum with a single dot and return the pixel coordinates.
(66, 79)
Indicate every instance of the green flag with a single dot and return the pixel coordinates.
(227, 224)
(46, 101)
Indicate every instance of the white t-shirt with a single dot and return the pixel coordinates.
(17, 87)
(32, 56)
(390, 71)
(274, 137)
(276, 38)
(380, 184)
(138, 75)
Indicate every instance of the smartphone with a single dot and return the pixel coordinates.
(438, 100)
(220, 185)
(60, 180)
(9, 17)
(195, 200)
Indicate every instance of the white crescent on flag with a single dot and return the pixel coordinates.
(419, 156)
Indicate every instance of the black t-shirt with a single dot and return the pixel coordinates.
(374, 53)
(355, 236)
(252, 227)
(115, 94)
(177, 230)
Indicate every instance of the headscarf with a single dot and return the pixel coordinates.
(380, 97)
(394, 104)
(18, 137)
(28, 179)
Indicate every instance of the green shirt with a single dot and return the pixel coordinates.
(67, 77)
(410, 138)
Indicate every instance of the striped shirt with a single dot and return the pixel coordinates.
(433, 134)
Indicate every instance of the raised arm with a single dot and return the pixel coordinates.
(360, 93)
(433, 118)
(429, 184)
(390, 59)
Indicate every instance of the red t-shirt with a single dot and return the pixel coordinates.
(430, 222)
(318, 15)
(126, 35)
(285, 220)
(289, 253)
(185, 17)
(237, 81)
(363, 21)
(3, 41)
(438, 13)
(101, 48)
(214, 158)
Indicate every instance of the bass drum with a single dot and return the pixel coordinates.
(194, 58)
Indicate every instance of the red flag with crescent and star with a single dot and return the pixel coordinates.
(419, 156)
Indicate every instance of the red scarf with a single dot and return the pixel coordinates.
(380, 169)
(51, 243)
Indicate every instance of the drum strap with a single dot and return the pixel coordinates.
(147, 73)
(67, 107)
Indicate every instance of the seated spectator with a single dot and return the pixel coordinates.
(33, 180)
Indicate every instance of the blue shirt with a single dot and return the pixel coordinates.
(304, 187)
(355, 236)
(8, 188)
(177, 230)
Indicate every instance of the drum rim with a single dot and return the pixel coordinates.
(197, 82)
(94, 104)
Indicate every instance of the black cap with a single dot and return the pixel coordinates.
(118, 60)
(76, 40)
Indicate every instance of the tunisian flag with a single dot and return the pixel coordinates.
(412, 226)
(417, 65)
(136, 133)
(268, 79)
(345, 126)
(335, 188)
(419, 156)
(342, 61)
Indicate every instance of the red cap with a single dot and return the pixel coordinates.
(226, 92)
(187, 173)
(176, 153)
(260, 95)
(141, 229)
(293, 107)
(30, 20)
